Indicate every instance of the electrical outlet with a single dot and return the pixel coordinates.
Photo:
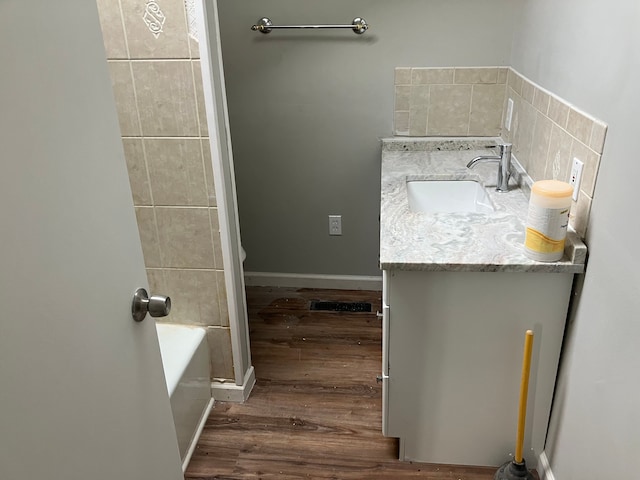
(576, 177)
(335, 224)
(509, 114)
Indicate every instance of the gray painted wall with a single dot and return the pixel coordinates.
(586, 51)
(307, 108)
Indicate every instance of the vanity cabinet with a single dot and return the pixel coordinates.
(452, 355)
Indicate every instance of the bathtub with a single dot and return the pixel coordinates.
(185, 359)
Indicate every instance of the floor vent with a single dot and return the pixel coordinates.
(340, 306)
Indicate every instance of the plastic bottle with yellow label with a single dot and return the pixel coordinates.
(547, 220)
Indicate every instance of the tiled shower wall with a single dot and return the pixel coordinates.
(155, 73)
(546, 132)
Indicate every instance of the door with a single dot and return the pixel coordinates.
(82, 392)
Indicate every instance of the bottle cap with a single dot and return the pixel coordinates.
(552, 188)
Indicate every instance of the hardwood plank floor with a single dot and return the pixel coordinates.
(315, 412)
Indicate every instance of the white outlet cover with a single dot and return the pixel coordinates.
(509, 114)
(576, 177)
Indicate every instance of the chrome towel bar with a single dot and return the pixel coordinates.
(265, 25)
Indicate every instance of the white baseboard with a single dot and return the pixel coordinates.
(196, 436)
(304, 280)
(230, 392)
(544, 468)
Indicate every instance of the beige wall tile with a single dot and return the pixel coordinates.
(449, 110)
(403, 98)
(541, 100)
(194, 296)
(476, 75)
(402, 76)
(137, 167)
(579, 216)
(112, 28)
(122, 84)
(527, 91)
(157, 285)
(148, 236)
(559, 158)
(486, 109)
(194, 47)
(222, 299)
(170, 41)
(591, 162)
(419, 110)
(427, 76)
(202, 113)
(525, 120)
(176, 171)
(185, 237)
(166, 98)
(208, 169)
(217, 241)
(579, 126)
(502, 75)
(219, 339)
(514, 81)
(598, 135)
(558, 111)
(401, 123)
(539, 147)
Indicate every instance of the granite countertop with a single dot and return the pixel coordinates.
(458, 241)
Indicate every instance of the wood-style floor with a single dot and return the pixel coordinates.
(315, 412)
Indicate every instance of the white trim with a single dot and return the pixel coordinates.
(225, 190)
(196, 436)
(304, 280)
(544, 468)
(230, 392)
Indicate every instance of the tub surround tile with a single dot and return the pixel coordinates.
(176, 171)
(148, 236)
(112, 29)
(194, 295)
(185, 237)
(202, 114)
(166, 98)
(208, 170)
(159, 33)
(137, 168)
(124, 93)
(219, 339)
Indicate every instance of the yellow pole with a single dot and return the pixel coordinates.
(524, 388)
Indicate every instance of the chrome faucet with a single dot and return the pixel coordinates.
(504, 165)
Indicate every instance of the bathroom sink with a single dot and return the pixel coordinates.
(448, 196)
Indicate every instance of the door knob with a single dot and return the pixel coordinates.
(156, 305)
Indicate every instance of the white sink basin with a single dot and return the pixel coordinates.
(448, 196)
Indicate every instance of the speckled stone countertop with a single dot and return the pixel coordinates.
(457, 241)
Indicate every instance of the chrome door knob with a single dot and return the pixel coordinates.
(156, 305)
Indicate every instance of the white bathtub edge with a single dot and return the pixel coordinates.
(230, 392)
(196, 436)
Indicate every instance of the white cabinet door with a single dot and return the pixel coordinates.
(82, 392)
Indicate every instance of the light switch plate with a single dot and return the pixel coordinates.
(576, 177)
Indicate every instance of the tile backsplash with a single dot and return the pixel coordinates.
(449, 101)
(546, 131)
